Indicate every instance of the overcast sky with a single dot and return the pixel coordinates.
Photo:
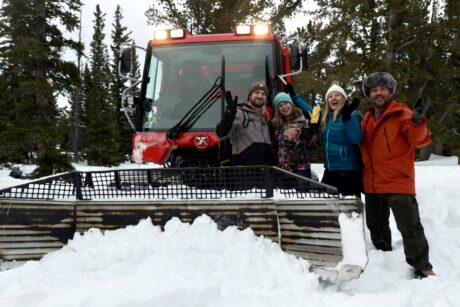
(134, 18)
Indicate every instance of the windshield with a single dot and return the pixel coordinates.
(179, 75)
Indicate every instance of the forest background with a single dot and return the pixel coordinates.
(415, 40)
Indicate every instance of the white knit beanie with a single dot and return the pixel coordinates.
(336, 88)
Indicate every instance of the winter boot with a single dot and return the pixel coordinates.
(382, 243)
(420, 274)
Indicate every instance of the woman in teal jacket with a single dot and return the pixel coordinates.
(341, 134)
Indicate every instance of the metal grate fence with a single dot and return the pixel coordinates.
(173, 183)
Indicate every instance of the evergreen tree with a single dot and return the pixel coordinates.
(445, 88)
(65, 127)
(4, 111)
(101, 140)
(31, 58)
(119, 39)
(75, 142)
(219, 16)
(135, 70)
(352, 38)
(86, 86)
(348, 42)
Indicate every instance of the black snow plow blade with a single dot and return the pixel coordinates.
(308, 219)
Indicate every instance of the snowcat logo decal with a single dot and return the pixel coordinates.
(201, 141)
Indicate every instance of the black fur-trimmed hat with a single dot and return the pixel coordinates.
(379, 79)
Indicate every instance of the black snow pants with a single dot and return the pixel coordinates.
(346, 182)
(407, 217)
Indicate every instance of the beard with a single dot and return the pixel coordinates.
(257, 102)
(382, 104)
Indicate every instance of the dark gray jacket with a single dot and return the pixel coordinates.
(249, 134)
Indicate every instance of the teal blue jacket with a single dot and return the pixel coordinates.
(340, 140)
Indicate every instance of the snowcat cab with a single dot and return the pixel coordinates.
(180, 70)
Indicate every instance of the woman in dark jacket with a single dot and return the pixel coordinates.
(293, 134)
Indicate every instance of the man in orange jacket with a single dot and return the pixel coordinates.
(392, 131)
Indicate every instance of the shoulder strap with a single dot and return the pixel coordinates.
(246, 118)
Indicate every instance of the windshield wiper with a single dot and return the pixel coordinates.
(198, 109)
(217, 91)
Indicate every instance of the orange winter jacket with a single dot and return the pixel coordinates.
(388, 149)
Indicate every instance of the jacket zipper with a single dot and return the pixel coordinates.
(327, 149)
(386, 138)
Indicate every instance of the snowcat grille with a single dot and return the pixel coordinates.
(172, 183)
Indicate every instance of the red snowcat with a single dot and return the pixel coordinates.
(173, 119)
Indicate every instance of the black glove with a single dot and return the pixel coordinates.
(231, 103)
(313, 135)
(348, 108)
(420, 108)
(288, 88)
(314, 142)
(224, 126)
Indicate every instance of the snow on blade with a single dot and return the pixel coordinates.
(353, 245)
(143, 265)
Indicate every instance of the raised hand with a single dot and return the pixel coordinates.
(288, 88)
(231, 102)
(420, 107)
(348, 108)
(225, 124)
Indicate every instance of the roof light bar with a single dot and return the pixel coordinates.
(243, 30)
(259, 29)
(160, 35)
(177, 33)
(169, 34)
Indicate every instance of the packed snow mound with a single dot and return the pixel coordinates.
(144, 266)
(353, 246)
(439, 160)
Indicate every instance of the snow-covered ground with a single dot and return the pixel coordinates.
(198, 265)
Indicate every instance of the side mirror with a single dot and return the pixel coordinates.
(124, 66)
(304, 57)
(298, 56)
(130, 103)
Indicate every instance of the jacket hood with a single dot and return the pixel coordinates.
(247, 107)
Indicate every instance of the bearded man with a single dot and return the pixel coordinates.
(247, 128)
(392, 132)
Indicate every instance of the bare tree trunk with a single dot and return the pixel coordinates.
(76, 144)
(374, 36)
(425, 152)
(41, 98)
(434, 11)
(393, 21)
